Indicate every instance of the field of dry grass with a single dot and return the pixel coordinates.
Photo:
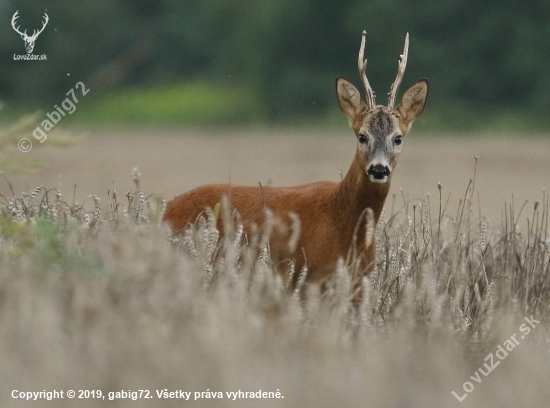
(172, 162)
(105, 300)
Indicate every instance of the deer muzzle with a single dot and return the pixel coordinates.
(378, 173)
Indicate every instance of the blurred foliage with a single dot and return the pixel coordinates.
(484, 59)
(190, 103)
(23, 127)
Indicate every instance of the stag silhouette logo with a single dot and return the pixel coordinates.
(29, 39)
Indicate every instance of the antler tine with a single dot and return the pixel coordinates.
(362, 64)
(44, 24)
(13, 22)
(401, 64)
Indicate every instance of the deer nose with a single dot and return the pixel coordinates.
(379, 171)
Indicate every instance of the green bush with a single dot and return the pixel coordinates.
(179, 104)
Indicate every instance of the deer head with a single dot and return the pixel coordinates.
(380, 129)
(29, 40)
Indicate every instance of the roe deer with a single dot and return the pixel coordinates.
(330, 213)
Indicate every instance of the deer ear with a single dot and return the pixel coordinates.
(413, 103)
(349, 99)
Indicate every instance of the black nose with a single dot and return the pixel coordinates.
(379, 171)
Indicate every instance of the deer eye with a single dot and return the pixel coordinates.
(362, 138)
(398, 139)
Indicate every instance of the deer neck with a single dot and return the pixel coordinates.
(356, 192)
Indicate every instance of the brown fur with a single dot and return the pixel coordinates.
(329, 212)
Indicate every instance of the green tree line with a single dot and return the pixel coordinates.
(478, 55)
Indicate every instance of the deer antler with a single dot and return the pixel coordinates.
(35, 32)
(401, 64)
(362, 64)
(15, 17)
(46, 19)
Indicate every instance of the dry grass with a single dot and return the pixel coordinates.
(175, 160)
(104, 299)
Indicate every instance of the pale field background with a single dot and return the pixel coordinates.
(174, 161)
(125, 310)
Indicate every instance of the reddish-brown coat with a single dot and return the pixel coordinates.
(328, 214)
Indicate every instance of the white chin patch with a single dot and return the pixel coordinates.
(381, 181)
(380, 172)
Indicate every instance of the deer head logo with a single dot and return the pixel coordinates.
(29, 40)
